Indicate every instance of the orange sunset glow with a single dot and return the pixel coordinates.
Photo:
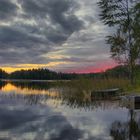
(31, 66)
(101, 68)
(10, 87)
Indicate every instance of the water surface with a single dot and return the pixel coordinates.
(45, 111)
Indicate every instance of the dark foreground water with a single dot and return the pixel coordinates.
(43, 111)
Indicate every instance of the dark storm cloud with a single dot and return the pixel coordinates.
(7, 10)
(18, 46)
(60, 14)
(31, 31)
(36, 27)
(13, 35)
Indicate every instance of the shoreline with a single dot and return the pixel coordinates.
(30, 80)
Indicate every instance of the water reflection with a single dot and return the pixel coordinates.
(127, 130)
(2, 84)
(34, 85)
(40, 92)
(47, 111)
(29, 122)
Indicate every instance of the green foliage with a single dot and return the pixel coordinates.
(124, 15)
(114, 12)
(118, 49)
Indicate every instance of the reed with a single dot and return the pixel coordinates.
(100, 84)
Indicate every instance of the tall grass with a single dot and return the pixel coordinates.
(101, 84)
(87, 85)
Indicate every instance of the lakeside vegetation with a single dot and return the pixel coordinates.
(117, 77)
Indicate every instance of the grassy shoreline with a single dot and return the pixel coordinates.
(101, 84)
(90, 84)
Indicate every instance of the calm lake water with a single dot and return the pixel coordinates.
(44, 111)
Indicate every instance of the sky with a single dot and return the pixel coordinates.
(61, 35)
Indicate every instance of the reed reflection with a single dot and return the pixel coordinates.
(40, 92)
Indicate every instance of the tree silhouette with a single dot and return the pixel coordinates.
(124, 16)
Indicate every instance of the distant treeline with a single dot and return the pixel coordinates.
(40, 74)
(45, 74)
(3, 74)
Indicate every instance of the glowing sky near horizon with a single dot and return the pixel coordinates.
(61, 35)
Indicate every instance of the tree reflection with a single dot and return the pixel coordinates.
(126, 130)
(33, 85)
(2, 84)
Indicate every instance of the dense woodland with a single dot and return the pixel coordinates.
(3, 74)
(45, 74)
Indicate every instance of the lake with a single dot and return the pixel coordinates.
(45, 111)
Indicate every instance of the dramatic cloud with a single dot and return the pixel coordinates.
(58, 16)
(62, 35)
(7, 10)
